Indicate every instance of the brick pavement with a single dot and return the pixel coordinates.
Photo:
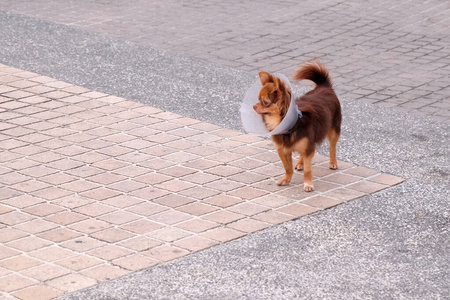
(394, 54)
(93, 186)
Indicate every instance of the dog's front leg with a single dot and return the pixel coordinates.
(286, 159)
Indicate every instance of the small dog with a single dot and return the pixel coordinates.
(321, 117)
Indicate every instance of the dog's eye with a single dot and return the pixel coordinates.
(266, 103)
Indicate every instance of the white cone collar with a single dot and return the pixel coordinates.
(253, 122)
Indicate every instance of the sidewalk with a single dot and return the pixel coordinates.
(95, 186)
(394, 54)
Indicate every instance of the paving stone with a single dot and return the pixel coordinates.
(38, 292)
(166, 253)
(104, 272)
(222, 234)
(71, 282)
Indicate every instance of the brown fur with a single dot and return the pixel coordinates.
(321, 118)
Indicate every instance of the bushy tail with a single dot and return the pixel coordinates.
(314, 71)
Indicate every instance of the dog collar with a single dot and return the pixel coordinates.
(253, 122)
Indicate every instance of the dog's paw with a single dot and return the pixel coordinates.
(308, 187)
(299, 167)
(333, 166)
(283, 182)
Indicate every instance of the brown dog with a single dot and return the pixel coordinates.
(321, 117)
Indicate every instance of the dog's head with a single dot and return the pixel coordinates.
(274, 100)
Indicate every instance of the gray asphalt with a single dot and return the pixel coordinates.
(390, 245)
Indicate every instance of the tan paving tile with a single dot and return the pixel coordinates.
(146, 209)
(22, 201)
(79, 185)
(45, 272)
(344, 194)
(38, 292)
(197, 209)
(248, 193)
(224, 171)
(195, 243)
(135, 262)
(36, 226)
(249, 225)
(71, 282)
(178, 171)
(165, 253)
(29, 243)
(82, 244)
(273, 217)
(273, 201)
(109, 252)
(30, 186)
(361, 171)
(300, 210)
(104, 272)
(51, 193)
(197, 225)
(170, 217)
(367, 187)
(14, 217)
(100, 193)
(140, 243)
(9, 234)
(15, 282)
(199, 192)
(51, 253)
(66, 218)
(122, 201)
(223, 217)
(72, 201)
(59, 235)
(78, 262)
(223, 200)
(175, 185)
(18, 263)
(224, 185)
(110, 164)
(94, 209)
(43, 209)
(341, 178)
(6, 252)
(200, 178)
(141, 226)
(126, 186)
(119, 217)
(248, 209)
(386, 179)
(169, 234)
(112, 235)
(9, 194)
(321, 202)
(201, 164)
(223, 234)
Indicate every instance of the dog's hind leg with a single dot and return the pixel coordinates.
(333, 138)
(299, 164)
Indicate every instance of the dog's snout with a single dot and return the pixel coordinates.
(255, 107)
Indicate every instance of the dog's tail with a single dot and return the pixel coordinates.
(314, 71)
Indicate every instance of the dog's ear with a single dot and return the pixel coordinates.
(285, 96)
(265, 77)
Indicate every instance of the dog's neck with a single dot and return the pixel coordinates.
(271, 122)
